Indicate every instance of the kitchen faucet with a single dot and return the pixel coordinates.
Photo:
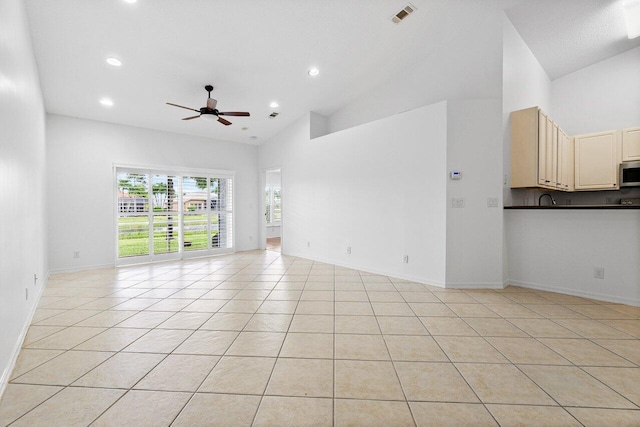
(553, 202)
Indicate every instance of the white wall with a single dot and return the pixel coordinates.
(379, 188)
(22, 181)
(474, 233)
(273, 179)
(466, 63)
(600, 97)
(80, 156)
(558, 250)
(524, 84)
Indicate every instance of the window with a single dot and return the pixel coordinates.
(273, 203)
(169, 215)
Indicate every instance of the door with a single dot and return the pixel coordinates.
(163, 216)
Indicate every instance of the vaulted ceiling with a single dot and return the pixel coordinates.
(255, 52)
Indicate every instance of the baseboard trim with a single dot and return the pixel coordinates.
(415, 279)
(492, 285)
(4, 380)
(577, 292)
(82, 268)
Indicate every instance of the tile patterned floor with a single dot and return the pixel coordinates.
(261, 339)
(274, 244)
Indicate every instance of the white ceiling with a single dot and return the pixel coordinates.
(568, 35)
(256, 51)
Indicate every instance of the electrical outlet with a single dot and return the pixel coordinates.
(349, 250)
(308, 244)
(457, 203)
(598, 273)
(76, 254)
(35, 279)
(493, 202)
(405, 259)
(26, 294)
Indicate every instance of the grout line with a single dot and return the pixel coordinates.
(236, 264)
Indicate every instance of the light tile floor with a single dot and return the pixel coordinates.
(257, 338)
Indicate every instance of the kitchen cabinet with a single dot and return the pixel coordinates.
(565, 161)
(596, 161)
(631, 144)
(541, 154)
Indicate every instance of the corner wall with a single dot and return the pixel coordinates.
(81, 154)
(603, 96)
(525, 84)
(465, 63)
(23, 245)
(474, 232)
(379, 188)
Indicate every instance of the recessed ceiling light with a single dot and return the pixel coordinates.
(632, 17)
(313, 71)
(253, 138)
(274, 104)
(114, 61)
(106, 102)
(245, 128)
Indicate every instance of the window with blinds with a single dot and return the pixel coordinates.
(168, 215)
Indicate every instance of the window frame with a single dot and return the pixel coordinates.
(178, 174)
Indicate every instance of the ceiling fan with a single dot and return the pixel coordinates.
(210, 110)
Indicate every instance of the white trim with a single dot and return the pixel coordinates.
(576, 292)
(470, 285)
(415, 279)
(163, 169)
(6, 375)
(262, 243)
(81, 268)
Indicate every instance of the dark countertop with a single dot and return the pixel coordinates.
(565, 207)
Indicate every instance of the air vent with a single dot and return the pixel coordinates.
(273, 115)
(406, 11)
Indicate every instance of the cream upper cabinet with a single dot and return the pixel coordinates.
(536, 158)
(631, 144)
(547, 151)
(596, 161)
(565, 161)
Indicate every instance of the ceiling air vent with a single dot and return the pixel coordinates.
(273, 115)
(406, 11)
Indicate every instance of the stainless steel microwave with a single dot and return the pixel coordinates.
(630, 174)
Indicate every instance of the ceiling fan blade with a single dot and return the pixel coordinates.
(192, 117)
(234, 113)
(211, 103)
(223, 121)
(180, 106)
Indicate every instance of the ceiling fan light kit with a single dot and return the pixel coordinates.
(210, 111)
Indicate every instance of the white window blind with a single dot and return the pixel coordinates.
(162, 215)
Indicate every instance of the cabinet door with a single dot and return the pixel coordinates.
(631, 144)
(555, 179)
(565, 161)
(596, 158)
(546, 153)
(542, 147)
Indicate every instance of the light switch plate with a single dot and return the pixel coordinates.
(457, 203)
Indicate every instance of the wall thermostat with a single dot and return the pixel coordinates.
(455, 175)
